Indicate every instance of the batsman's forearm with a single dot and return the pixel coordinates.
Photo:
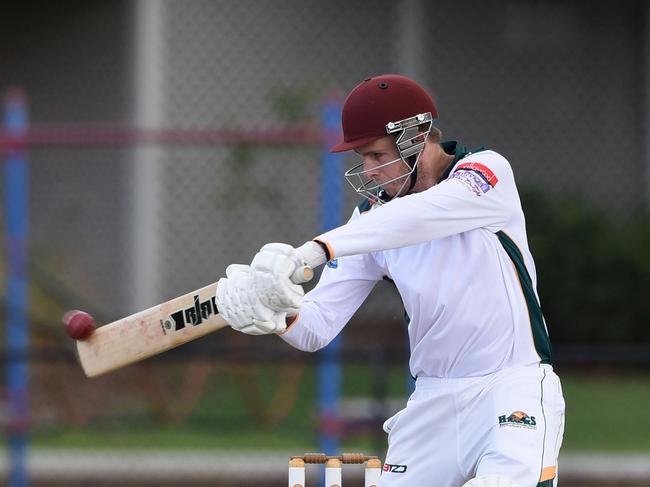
(303, 338)
(326, 309)
(414, 219)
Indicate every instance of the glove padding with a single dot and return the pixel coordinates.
(239, 305)
(272, 268)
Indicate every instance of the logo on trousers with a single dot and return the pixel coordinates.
(394, 468)
(518, 419)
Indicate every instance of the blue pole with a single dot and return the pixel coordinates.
(329, 367)
(17, 334)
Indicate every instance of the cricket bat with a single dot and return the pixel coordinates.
(156, 330)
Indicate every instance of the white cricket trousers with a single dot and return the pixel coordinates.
(508, 423)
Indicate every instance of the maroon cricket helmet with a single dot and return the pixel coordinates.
(375, 102)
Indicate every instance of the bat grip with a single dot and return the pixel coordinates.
(302, 274)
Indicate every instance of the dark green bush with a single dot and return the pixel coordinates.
(593, 269)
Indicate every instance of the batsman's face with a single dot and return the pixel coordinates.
(382, 164)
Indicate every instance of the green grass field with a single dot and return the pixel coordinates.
(604, 413)
(607, 413)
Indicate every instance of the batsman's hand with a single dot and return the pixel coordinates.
(278, 272)
(240, 306)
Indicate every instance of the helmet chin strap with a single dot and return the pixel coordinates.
(410, 142)
(414, 175)
(412, 162)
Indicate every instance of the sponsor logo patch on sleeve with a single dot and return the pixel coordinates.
(477, 177)
(333, 264)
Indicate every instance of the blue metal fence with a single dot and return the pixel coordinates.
(17, 331)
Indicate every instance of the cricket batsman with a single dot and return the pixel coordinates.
(445, 224)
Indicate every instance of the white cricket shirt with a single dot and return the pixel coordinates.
(459, 257)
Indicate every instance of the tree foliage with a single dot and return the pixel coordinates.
(593, 269)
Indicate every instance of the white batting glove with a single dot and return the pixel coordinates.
(272, 268)
(239, 305)
(277, 274)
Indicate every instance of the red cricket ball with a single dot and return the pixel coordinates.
(78, 324)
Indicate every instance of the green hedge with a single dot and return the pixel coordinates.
(593, 269)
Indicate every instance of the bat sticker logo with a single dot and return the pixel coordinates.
(191, 316)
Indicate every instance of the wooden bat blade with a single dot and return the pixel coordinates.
(150, 332)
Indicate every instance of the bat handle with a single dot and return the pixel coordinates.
(312, 255)
(302, 274)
